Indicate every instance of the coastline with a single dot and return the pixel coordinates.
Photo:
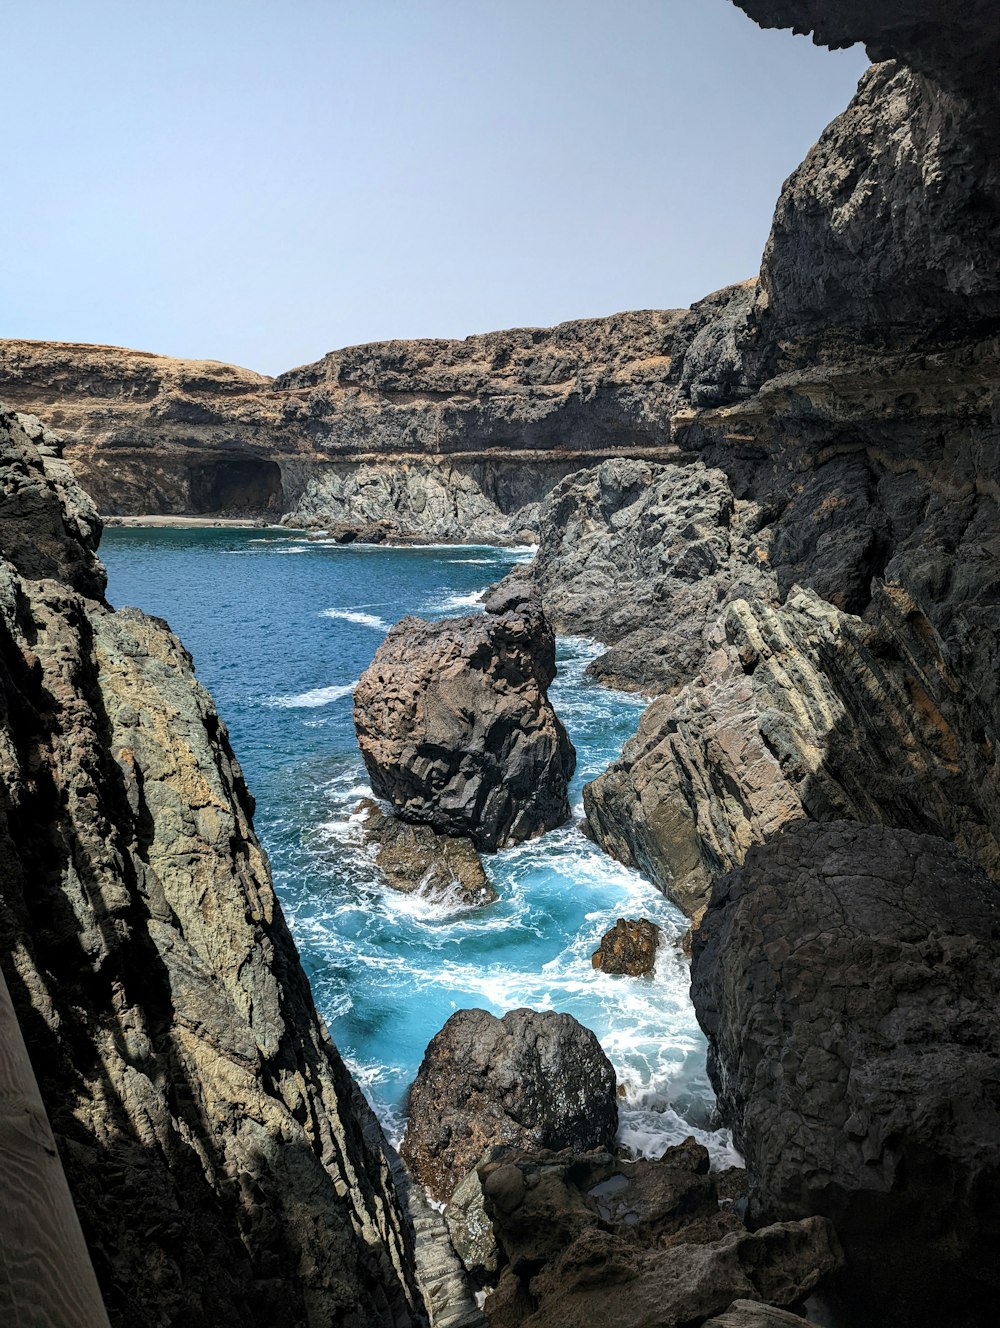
(189, 522)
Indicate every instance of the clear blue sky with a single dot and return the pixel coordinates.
(260, 181)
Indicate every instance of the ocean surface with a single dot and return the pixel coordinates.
(280, 629)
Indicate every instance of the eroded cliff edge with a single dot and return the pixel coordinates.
(224, 1165)
(450, 439)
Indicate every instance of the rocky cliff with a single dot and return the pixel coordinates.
(451, 439)
(224, 1165)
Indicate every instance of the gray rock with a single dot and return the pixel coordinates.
(531, 1079)
(642, 557)
(456, 729)
(471, 1231)
(847, 978)
(415, 859)
(225, 1168)
(800, 711)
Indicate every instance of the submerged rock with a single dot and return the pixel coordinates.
(456, 728)
(415, 859)
(592, 1239)
(531, 1079)
(848, 979)
(629, 947)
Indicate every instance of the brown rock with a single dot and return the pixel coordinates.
(629, 947)
(415, 859)
(531, 1079)
(456, 728)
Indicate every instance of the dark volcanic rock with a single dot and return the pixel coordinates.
(225, 1168)
(848, 978)
(455, 725)
(531, 1079)
(415, 859)
(641, 557)
(591, 1239)
(629, 947)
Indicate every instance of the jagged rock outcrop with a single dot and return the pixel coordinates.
(447, 439)
(415, 859)
(456, 728)
(800, 712)
(848, 978)
(531, 1079)
(224, 1165)
(641, 557)
(629, 947)
(592, 1239)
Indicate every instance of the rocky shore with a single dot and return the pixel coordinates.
(778, 511)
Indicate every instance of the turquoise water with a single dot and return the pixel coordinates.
(280, 630)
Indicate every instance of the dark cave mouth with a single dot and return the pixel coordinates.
(236, 486)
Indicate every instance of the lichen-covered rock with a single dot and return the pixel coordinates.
(226, 1170)
(470, 1229)
(456, 728)
(848, 979)
(629, 947)
(531, 1079)
(593, 1239)
(415, 859)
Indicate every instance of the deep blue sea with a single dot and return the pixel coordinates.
(280, 629)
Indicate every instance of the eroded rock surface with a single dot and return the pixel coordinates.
(456, 728)
(591, 1239)
(629, 948)
(224, 1165)
(847, 978)
(415, 859)
(531, 1079)
(641, 557)
(801, 711)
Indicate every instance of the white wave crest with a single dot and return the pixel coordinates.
(355, 616)
(316, 696)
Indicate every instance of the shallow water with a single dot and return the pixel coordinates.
(280, 641)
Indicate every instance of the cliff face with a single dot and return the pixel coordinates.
(454, 439)
(224, 1165)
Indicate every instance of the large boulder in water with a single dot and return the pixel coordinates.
(848, 978)
(533, 1079)
(456, 728)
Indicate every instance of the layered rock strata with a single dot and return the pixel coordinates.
(448, 439)
(224, 1165)
(847, 978)
(455, 725)
(589, 1239)
(531, 1079)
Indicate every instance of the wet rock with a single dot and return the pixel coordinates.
(456, 728)
(592, 1238)
(629, 947)
(415, 859)
(847, 979)
(532, 1078)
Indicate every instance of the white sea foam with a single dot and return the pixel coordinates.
(316, 696)
(452, 602)
(355, 616)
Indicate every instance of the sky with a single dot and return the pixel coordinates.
(259, 181)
